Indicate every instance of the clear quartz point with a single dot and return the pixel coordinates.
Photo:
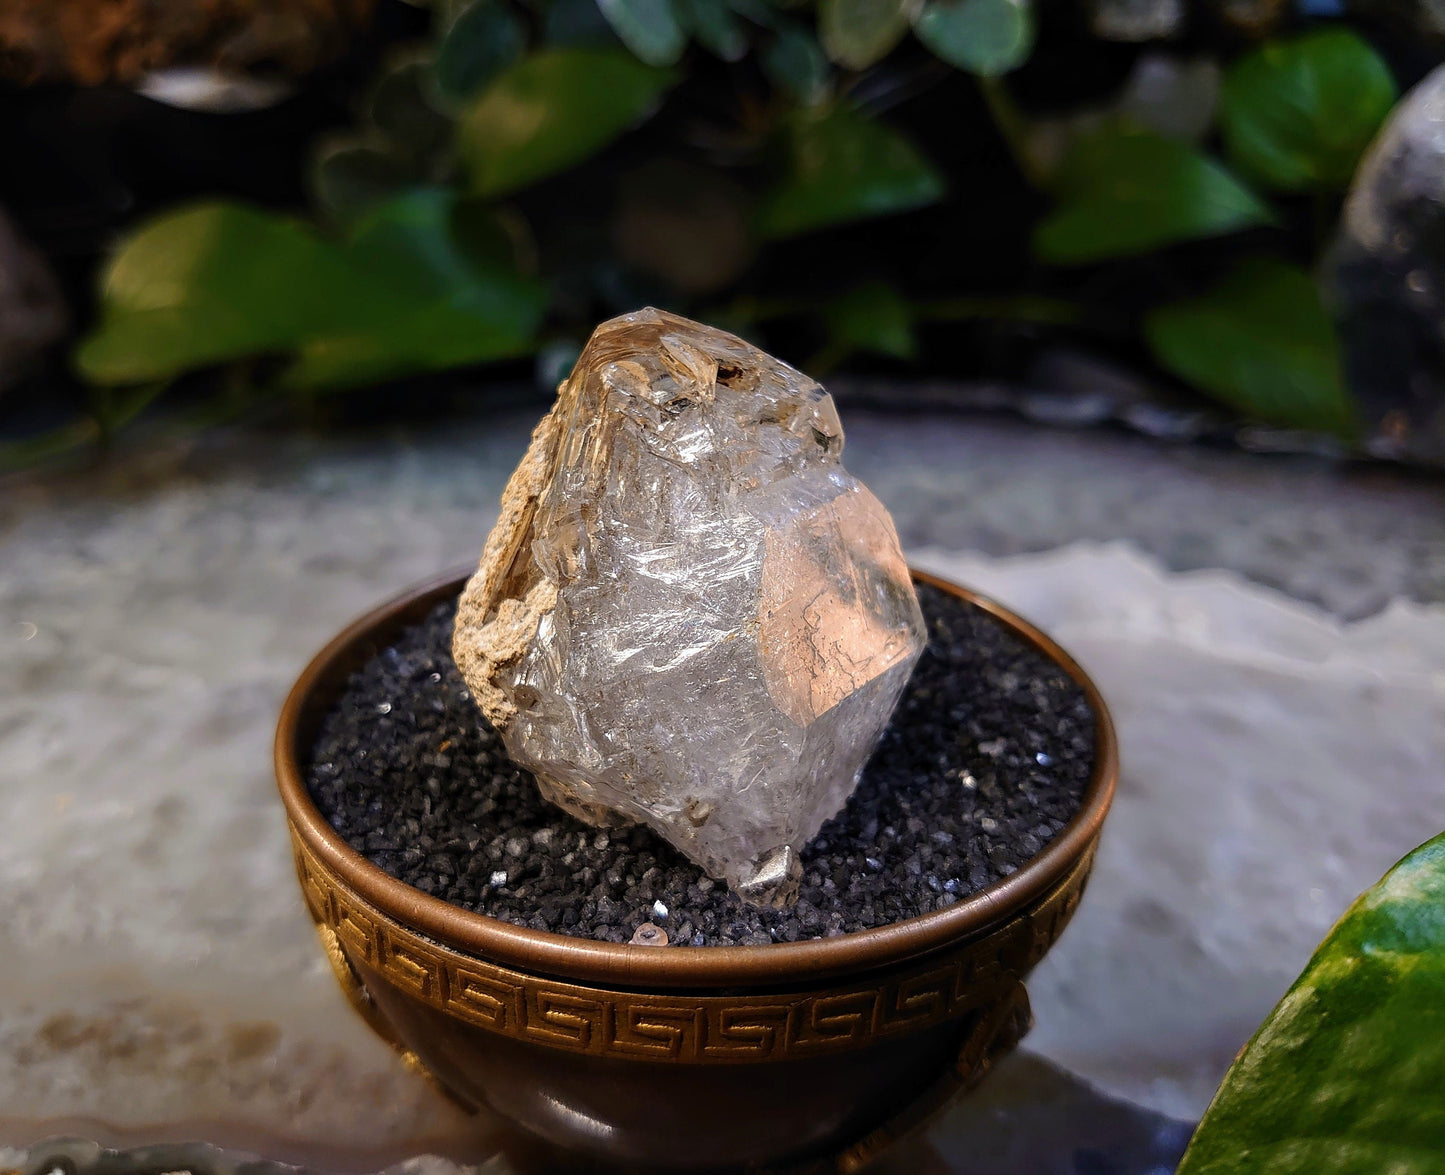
(689, 614)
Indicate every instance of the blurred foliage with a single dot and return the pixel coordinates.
(1345, 1075)
(1124, 190)
(985, 37)
(843, 166)
(542, 163)
(422, 282)
(1261, 342)
(1298, 115)
(550, 111)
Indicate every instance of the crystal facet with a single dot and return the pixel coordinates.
(689, 614)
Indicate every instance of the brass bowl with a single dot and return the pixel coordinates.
(697, 1058)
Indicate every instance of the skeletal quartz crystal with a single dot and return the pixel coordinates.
(689, 614)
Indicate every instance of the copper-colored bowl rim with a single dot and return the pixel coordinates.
(589, 960)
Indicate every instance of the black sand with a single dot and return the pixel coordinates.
(987, 757)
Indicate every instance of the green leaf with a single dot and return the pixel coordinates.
(1345, 1076)
(211, 283)
(220, 282)
(986, 37)
(1260, 342)
(856, 33)
(552, 110)
(761, 12)
(404, 139)
(1125, 191)
(796, 64)
(483, 40)
(649, 28)
(430, 243)
(351, 175)
(845, 166)
(576, 22)
(428, 338)
(1299, 114)
(454, 303)
(715, 26)
(875, 318)
(402, 115)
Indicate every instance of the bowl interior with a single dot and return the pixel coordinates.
(589, 960)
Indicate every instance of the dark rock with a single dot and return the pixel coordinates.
(33, 314)
(1177, 97)
(1136, 20)
(1415, 21)
(1386, 279)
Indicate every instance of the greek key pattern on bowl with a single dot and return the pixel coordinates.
(681, 1027)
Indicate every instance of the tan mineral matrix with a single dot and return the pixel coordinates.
(689, 613)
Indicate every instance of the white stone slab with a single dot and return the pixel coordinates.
(1275, 763)
(159, 979)
(157, 969)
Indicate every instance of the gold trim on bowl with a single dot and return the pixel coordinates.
(690, 1028)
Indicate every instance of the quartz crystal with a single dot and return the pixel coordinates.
(689, 614)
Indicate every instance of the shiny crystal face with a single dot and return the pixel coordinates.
(690, 614)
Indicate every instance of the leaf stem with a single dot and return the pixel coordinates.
(110, 411)
(56, 442)
(1013, 126)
